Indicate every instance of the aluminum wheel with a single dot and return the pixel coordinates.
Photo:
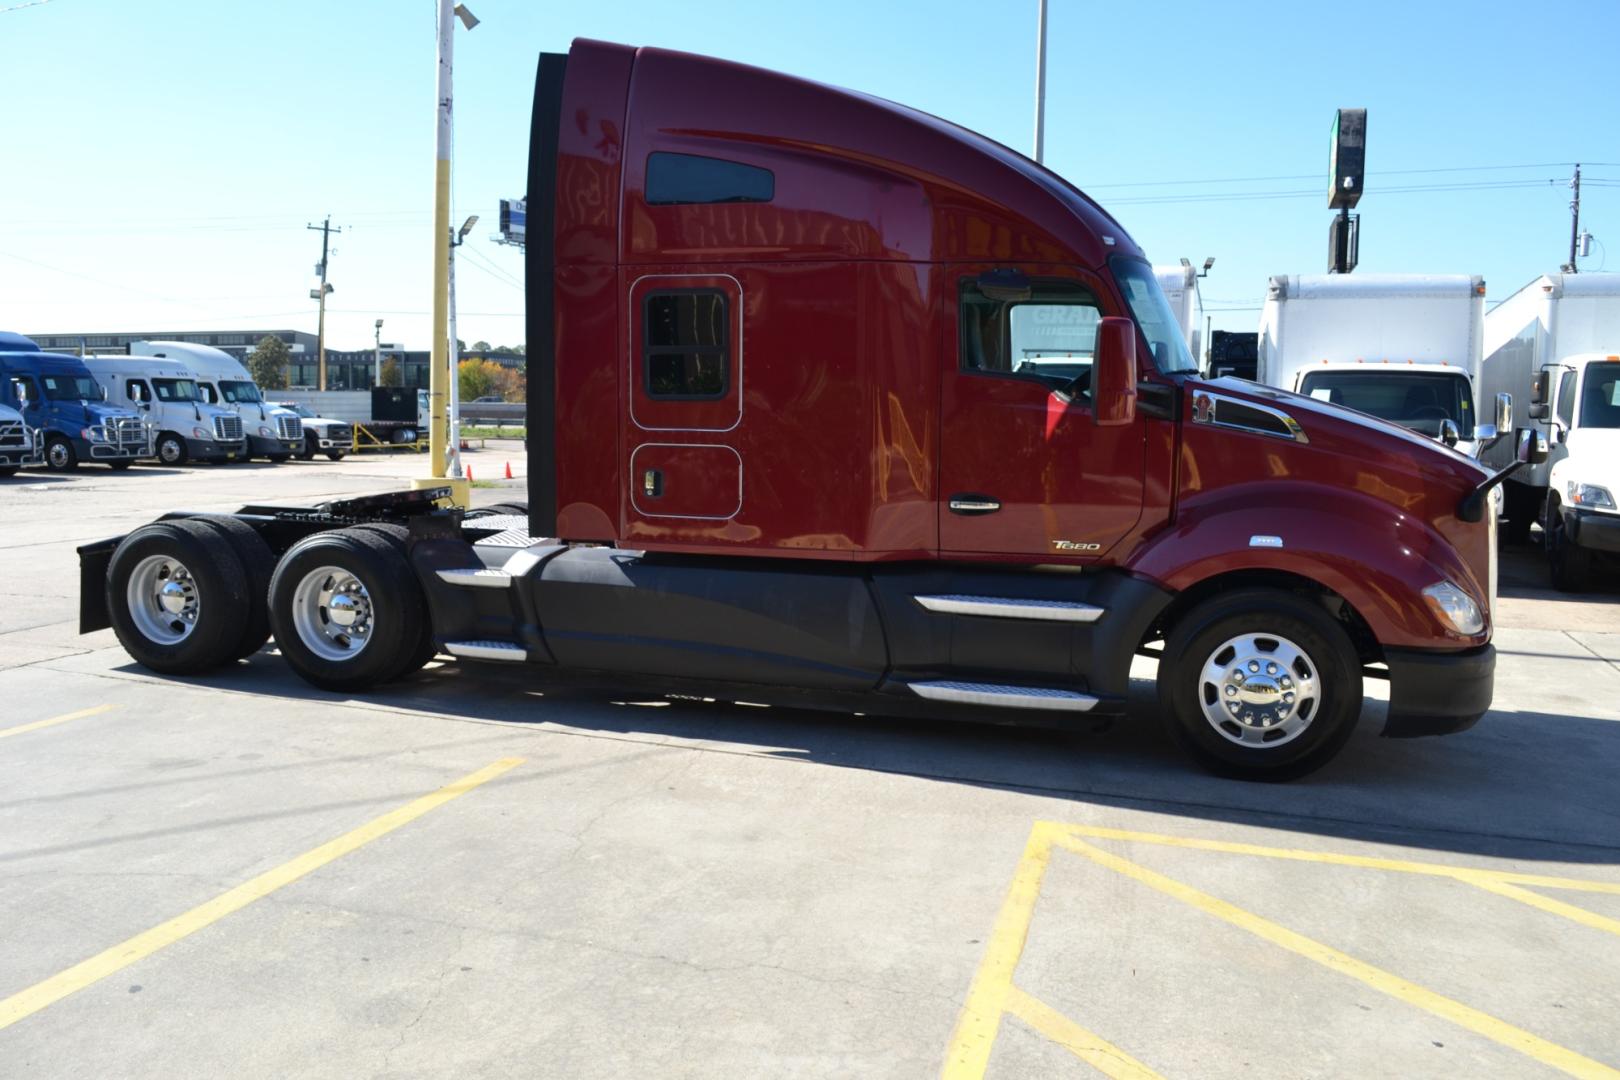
(332, 613)
(170, 451)
(1259, 690)
(163, 599)
(59, 454)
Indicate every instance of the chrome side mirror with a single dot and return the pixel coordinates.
(1448, 432)
(1485, 433)
(1531, 448)
(1504, 412)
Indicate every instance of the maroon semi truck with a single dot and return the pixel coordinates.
(835, 404)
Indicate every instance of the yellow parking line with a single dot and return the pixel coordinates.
(1433, 869)
(1545, 903)
(27, 1002)
(969, 1052)
(6, 733)
(1480, 1023)
(1088, 1046)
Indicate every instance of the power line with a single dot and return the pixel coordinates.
(1323, 176)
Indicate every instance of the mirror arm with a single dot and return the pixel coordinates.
(1472, 507)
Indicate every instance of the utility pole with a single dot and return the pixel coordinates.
(376, 374)
(1040, 84)
(326, 230)
(1574, 220)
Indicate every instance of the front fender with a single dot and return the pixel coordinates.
(1376, 556)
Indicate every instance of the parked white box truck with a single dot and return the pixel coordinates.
(1558, 339)
(1402, 347)
(1180, 285)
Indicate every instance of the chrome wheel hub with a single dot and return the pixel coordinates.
(163, 600)
(1259, 690)
(332, 613)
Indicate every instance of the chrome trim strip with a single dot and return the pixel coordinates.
(478, 579)
(1206, 410)
(1001, 607)
(976, 504)
(487, 650)
(1007, 697)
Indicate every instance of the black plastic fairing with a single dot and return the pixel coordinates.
(539, 266)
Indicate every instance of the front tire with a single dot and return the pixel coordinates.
(1260, 684)
(60, 455)
(1568, 565)
(334, 455)
(345, 610)
(171, 449)
(312, 446)
(119, 466)
(175, 594)
(279, 459)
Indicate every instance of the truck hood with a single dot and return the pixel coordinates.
(1374, 442)
(87, 413)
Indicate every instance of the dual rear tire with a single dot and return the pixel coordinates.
(189, 595)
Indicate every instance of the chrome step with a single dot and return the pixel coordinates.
(479, 579)
(1002, 607)
(1006, 697)
(487, 650)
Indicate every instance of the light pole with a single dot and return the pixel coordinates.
(1040, 84)
(455, 353)
(376, 374)
(440, 375)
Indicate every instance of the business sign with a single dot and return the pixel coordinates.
(514, 216)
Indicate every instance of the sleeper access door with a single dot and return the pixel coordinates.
(685, 392)
(1025, 471)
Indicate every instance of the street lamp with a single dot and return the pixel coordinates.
(376, 375)
(455, 348)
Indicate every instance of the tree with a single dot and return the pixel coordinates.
(479, 378)
(268, 363)
(388, 372)
(480, 347)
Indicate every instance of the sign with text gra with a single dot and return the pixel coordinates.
(1347, 158)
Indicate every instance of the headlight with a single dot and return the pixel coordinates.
(1589, 495)
(266, 432)
(1454, 608)
(201, 433)
(93, 434)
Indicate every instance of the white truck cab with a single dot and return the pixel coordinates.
(19, 444)
(271, 432)
(1580, 402)
(166, 392)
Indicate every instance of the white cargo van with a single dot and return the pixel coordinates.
(166, 392)
(272, 432)
(1559, 339)
(1401, 347)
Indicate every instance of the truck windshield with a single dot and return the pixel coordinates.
(301, 410)
(1600, 400)
(69, 388)
(1158, 323)
(238, 391)
(1418, 401)
(175, 389)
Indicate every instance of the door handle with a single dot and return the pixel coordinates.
(969, 504)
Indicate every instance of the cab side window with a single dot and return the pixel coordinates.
(137, 390)
(1566, 399)
(1047, 334)
(23, 385)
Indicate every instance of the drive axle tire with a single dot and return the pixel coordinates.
(8, 471)
(259, 563)
(345, 610)
(399, 537)
(176, 591)
(312, 447)
(1260, 684)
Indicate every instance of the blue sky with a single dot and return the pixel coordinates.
(164, 158)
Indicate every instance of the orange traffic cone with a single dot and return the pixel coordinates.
(469, 474)
(509, 470)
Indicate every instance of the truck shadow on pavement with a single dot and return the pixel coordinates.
(1522, 785)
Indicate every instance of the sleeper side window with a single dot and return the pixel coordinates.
(1048, 333)
(673, 179)
(686, 353)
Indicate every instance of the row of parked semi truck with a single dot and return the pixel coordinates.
(171, 402)
(1421, 351)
